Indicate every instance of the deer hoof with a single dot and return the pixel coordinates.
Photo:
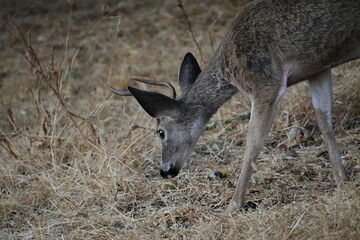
(232, 208)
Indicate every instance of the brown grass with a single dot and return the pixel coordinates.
(93, 174)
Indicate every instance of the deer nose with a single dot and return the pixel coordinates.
(169, 172)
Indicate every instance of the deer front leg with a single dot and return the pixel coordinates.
(262, 115)
(321, 95)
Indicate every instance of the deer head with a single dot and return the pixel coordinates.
(179, 123)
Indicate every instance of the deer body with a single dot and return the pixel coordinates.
(270, 46)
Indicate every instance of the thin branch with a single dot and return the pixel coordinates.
(7, 146)
(180, 5)
(11, 120)
(32, 58)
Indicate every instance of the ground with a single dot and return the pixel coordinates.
(77, 162)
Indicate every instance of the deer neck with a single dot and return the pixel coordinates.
(211, 89)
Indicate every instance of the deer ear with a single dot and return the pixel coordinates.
(189, 71)
(155, 104)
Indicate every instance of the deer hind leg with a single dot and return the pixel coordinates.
(262, 115)
(321, 95)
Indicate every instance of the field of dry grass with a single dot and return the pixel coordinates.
(77, 162)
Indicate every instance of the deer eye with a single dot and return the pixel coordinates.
(161, 134)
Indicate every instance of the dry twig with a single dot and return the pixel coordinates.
(54, 75)
(180, 5)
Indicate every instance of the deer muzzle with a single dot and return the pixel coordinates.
(170, 171)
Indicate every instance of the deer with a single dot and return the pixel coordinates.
(270, 46)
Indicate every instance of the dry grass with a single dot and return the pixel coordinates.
(94, 176)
